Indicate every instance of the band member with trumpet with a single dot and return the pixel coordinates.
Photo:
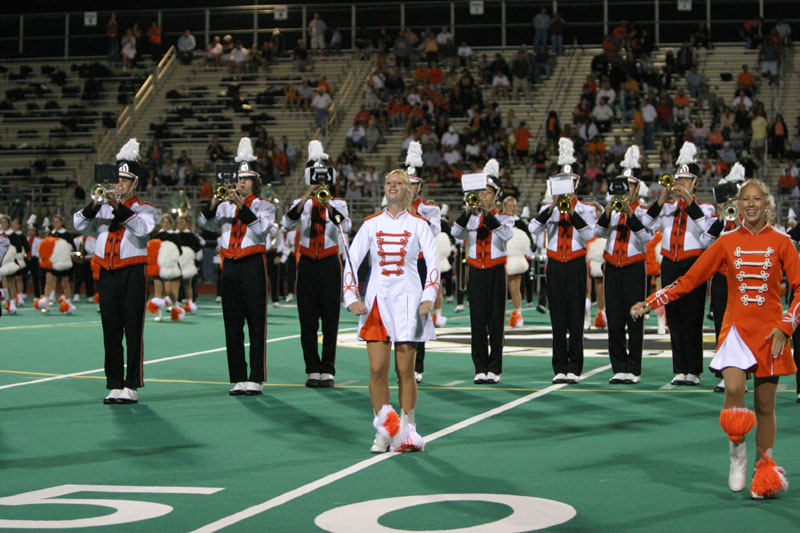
(569, 225)
(431, 213)
(727, 219)
(683, 221)
(755, 331)
(243, 221)
(123, 225)
(396, 307)
(625, 273)
(317, 219)
(486, 232)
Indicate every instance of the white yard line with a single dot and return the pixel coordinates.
(327, 480)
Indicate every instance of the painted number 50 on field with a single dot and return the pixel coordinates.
(125, 511)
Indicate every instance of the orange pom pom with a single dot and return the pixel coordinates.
(769, 479)
(737, 422)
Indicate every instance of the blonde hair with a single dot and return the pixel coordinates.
(406, 184)
(764, 192)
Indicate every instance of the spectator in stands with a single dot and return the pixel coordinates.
(587, 130)
(617, 149)
(373, 135)
(239, 58)
(500, 84)
(738, 137)
(520, 66)
(435, 76)
(741, 99)
(784, 32)
(681, 106)
(777, 137)
(316, 30)
(649, 116)
(581, 111)
(321, 103)
(522, 138)
(465, 55)
(155, 154)
(541, 26)
(603, 115)
(337, 41)
(215, 152)
(606, 92)
(543, 61)
(431, 49)
(700, 36)
(445, 41)
(557, 34)
(402, 52)
(450, 139)
(552, 127)
(355, 137)
(128, 50)
(213, 56)
(794, 148)
(291, 99)
(685, 58)
(758, 137)
(695, 82)
(746, 81)
(289, 149)
(714, 141)
(154, 38)
(770, 54)
(186, 47)
(300, 57)
(452, 156)
(751, 32)
(637, 126)
(699, 133)
(727, 154)
(112, 29)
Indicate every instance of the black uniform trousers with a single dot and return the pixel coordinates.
(719, 300)
(685, 320)
(82, 273)
(419, 364)
(123, 294)
(319, 291)
(624, 286)
(244, 298)
(274, 273)
(32, 266)
(487, 314)
(566, 293)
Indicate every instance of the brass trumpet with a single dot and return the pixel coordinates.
(472, 198)
(565, 203)
(99, 191)
(618, 203)
(323, 194)
(730, 211)
(667, 180)
(222, 190)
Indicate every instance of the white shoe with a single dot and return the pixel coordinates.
(276, 304)
(289, 297)
(253, 389)
(587, 322)
(573, 378)
(380, 444)
(479, 379)
(632, 378)
(662, 324)
(418, 377)
(326, 380)
(439, 320)
(449, 299)
(560, 378)
(238, 389)
(679, 379)
(218, 299)
(459, 308)
(619, 377)
(692, 380)
(76, 298)
(720, 386)
(492, 378)
(737, 478)
(159, 314)
(112, 397)
(128, 396)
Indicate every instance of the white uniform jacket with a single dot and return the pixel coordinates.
(682, 227)
(566, 236)
(486, 237)
(430, 212)
(626, 237)
(5, 244)
(311, 239)
(122, 233)
(242, 231)
(394, 290)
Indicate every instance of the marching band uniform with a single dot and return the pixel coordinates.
(274, 251)
(34, 241)
(243, 283)
(289, 260)
(565, 273)
(682, 243)
(319, 274)
(121, 252)
(486, 237)
(625, 278)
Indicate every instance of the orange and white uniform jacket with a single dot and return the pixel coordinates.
(567, 235)
(122, 233)
(243, 231)
(394, 290)
(486, 237)
(754, 265)
(683, 227)
(626, 237)
(316, 236)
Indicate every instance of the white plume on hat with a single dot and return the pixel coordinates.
(46, 222)
(735, 175)
(526, 212)
(631, 159)
(315, 151)
(644, 190)
(130, 151)
(245, 151)
(687, 154)
(566, 152)
(492, 168)
(445, 210)
(31, 220)
(414, 155)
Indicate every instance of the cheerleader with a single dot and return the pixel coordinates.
(625, 273)
(519, 250)
(163, 265)
(5, 245)
(683, 221)
(754, 334)
(10, 266)
(243, 221)
(55, 254)
(396, 307)
(23, 249)
(594, 268)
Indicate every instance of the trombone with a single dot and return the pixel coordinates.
(99, 191)
(667, 180)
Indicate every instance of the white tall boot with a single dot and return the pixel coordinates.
(737, 478)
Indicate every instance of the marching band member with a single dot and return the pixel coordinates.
(23, 248)
(566, 235)
(314, 218)
(755, 331)
(34, 241)
(123, 225)
(432, 214)
(190, 245)
(243, 221)
(625, 272)
(163, 265)
(519, 249)
(683, 223)
(5, 245)
(486, 232)
(396, 307)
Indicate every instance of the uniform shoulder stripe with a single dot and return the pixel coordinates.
(418, 216)
(373, 215)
